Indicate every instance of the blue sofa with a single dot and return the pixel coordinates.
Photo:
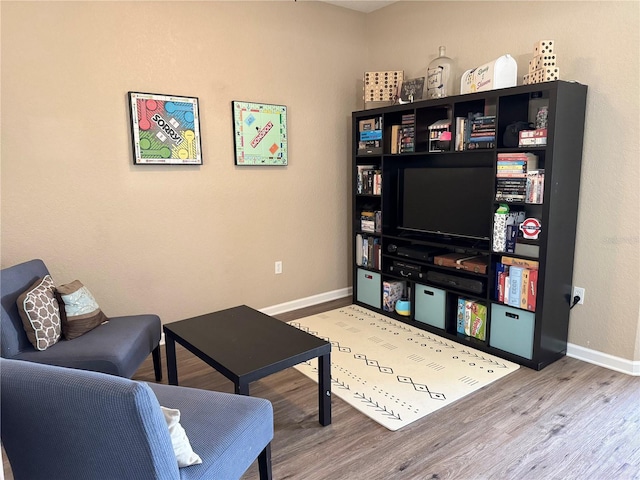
(118, 347)
(66, 423)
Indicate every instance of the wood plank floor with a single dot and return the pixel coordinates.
(571, 420)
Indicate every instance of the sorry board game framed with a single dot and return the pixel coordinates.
(259, 133)
(165, 129)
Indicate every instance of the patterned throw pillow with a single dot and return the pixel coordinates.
(40, 313)
(79, 310)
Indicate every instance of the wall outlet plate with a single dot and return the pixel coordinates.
(578, 292)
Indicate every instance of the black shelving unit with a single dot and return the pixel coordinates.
(530, 338)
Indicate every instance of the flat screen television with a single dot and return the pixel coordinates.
(448, 201)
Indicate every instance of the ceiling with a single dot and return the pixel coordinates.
(365, 6)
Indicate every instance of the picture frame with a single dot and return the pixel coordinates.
(259, 134)
(165, 129)
(412, 90)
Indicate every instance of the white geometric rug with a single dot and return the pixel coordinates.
(393, 372)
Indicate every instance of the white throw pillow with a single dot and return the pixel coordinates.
(181, 446)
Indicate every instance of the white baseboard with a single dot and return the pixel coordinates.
(604, 360)
(300, 303)
(588, 355)
(307, 302)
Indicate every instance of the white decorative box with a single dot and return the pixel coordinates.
(500, 73)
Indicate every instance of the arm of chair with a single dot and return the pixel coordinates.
(77, 423)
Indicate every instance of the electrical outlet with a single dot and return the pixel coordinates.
(578, 292)
(278, 267)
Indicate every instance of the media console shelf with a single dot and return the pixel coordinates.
(428, 219)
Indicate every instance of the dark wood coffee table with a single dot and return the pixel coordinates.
(245, 345)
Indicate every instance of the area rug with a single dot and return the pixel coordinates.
(393, 372)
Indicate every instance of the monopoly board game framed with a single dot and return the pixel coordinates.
(165, 129)
(259, 133)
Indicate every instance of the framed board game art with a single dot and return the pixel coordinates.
(165, 129)
(259, 133)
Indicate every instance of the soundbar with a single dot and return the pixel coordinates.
(453, 281)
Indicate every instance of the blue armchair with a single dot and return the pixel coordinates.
(118, 347)
(60, 422)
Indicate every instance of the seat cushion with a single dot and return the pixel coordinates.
(118, 347)
(227, 431)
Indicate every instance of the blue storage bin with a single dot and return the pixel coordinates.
(369, 289)
(512, 330)
(430, 304)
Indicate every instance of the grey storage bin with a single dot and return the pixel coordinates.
(512, 330)
(430, 304)
(369, 289)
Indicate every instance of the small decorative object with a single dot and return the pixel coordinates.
(382, 86)
(259, 133)
(411, 90)
(530, 228)
(542, 67)
(499, 73)
(403, 307)
(506, 224)
(165, 129)
(511, 135)
(542, 116)
(440, 76)
(444, 141)
(437, 135)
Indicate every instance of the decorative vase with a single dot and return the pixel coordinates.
(440, 76)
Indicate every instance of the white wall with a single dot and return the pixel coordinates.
(598, 44)
(180, 241)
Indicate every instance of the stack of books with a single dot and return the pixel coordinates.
(369, 180)
(370, 136)
(368, 251)
(482, 131)
(476, 131)
(511, 175)
(371, 221)
(517, 282)
(408, 133)
(403, 136)
(535, 186)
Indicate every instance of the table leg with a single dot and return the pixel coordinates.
(172, 367)
(324, 389)
(242, 388)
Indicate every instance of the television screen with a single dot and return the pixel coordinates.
(449, 201)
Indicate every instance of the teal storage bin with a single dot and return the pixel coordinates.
(512, 330)
(369, 289)
(430, 304)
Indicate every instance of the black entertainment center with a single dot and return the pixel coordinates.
(435, 230)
